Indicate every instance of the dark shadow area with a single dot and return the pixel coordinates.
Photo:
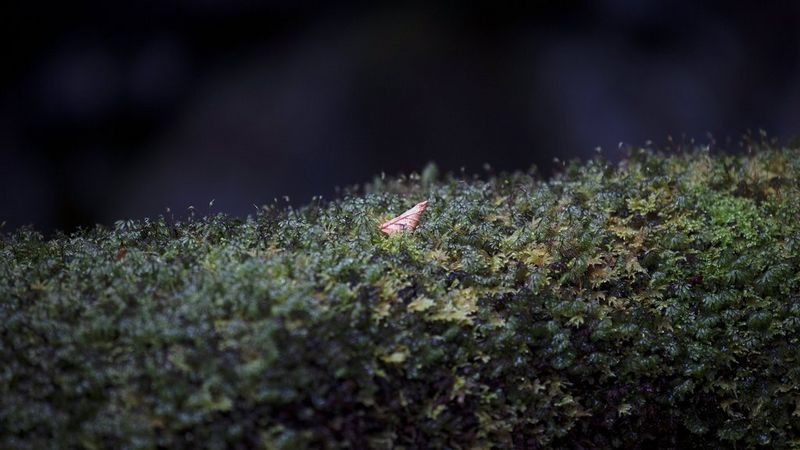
(109, 111)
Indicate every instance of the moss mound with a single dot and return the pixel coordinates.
(655, 303)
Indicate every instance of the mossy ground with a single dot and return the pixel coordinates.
(651, 303)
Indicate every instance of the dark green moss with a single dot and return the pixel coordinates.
(652, 303)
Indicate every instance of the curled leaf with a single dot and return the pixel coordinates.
(407, 221)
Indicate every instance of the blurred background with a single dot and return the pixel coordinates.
(112, 110)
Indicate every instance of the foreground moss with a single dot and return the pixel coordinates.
(651, 303)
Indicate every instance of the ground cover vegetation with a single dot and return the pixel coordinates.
(654, 302)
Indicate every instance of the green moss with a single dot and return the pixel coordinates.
(656, 302)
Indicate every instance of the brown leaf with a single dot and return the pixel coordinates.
(407, 221)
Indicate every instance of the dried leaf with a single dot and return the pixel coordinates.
(406, 222)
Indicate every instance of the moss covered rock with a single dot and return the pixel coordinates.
(651, 303)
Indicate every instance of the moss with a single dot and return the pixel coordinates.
(654, 302)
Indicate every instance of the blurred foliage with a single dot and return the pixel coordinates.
(654, 302)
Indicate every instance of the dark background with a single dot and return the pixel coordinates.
(111, 110)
